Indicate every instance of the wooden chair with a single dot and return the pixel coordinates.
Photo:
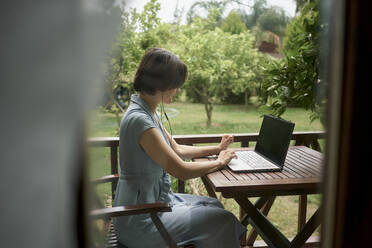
(106, 213)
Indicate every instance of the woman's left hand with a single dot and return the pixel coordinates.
(226, 140)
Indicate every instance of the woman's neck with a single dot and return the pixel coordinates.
(151, 101)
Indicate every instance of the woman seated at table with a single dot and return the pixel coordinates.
(148, 153)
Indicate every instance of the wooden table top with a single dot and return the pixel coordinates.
(302, 174)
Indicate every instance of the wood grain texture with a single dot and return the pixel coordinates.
(301, 174)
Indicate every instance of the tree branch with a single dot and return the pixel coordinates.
(240, 3)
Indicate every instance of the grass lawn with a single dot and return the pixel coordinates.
(191, 119)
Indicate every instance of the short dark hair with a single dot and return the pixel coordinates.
(159, 69)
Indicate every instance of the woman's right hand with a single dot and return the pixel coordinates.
(225, 157)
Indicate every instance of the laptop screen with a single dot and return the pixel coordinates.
(274, 138)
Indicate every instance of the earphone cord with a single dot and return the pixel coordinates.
(166, 116)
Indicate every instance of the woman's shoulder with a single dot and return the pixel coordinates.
(134, 112)
(135, 122)
(136, 115)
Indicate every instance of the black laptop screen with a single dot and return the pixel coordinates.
(274, 138)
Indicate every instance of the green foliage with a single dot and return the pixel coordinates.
(273, 19)
(211, 6)
(294, 81)
(263, 18)
(219, 63)
(233, 23)
(138, 32)
(259, 7)
(300, 4)
(210, 69)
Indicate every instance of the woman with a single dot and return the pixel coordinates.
(148, 153)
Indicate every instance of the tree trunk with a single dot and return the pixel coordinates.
(246, 98)
(208, 109)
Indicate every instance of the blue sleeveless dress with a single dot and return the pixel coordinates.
(194, 219)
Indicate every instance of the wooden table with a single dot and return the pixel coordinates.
(301, 176)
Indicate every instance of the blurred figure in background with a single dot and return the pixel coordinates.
(51, 53)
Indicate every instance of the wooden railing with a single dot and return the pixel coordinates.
(309, 139)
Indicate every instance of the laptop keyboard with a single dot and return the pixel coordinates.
(254, 160)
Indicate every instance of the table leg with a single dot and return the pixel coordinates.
(265, 210)
(209, 189)
(259, 204)
(302, 207)
(269, 233)
(307, 230)
(242, 215)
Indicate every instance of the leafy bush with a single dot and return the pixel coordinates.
(233, 23)
(294, 81)
(220, 64)
(273, 19)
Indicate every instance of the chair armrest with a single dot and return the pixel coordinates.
(105, 213)
(110, 178)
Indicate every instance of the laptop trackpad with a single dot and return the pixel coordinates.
(236, 164)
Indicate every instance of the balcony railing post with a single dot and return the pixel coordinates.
(114, 167)
(315, 145)
(298, 141)
(181, 184)
(244, 143)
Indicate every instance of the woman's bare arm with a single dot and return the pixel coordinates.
(162, 154)
(188, 152)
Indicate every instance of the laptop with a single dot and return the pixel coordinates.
(270, 150)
